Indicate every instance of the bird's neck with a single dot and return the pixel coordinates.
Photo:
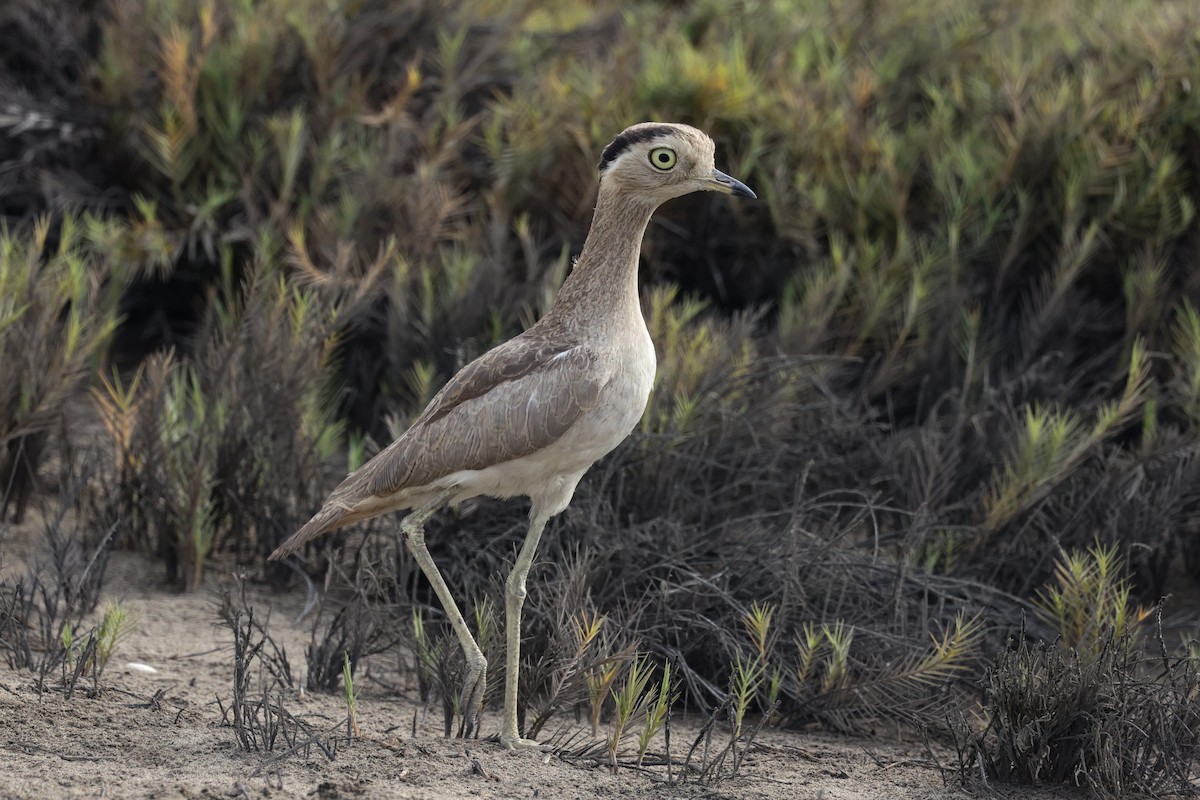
(603, 286)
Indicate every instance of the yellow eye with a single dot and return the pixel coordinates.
(662, 158)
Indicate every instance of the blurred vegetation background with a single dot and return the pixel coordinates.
(955, 344)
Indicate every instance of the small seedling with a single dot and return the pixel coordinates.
(656, 714)
(587, 628)
(839, 639)
(747, 677)
(116, 623)
(630, 700)
(600, 679)
(352, 731)
(426, 659)
(757, 622)
(68, 637)
(485, 623)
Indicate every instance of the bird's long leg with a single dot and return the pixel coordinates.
(514, 599)
(413, 528)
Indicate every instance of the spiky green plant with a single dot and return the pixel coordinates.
(1185, 341)
(1090, 600)
(757, 622)
(745, 679)
(600, 680)
(233, 442)
(1052, 442)
(58, 312)
(189, 472)
(484, 611)
(68, 643)
(116, 622)
(657, 711)
(838, 638)
(351, 697)
(425, 659)
(838, 681)
(630, 700)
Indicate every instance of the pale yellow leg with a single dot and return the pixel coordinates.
(413, 528)
(514, 599)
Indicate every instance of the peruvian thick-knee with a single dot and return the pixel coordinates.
(530, 416)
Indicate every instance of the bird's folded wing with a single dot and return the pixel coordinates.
(506, 404)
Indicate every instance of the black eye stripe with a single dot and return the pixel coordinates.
(628, 138)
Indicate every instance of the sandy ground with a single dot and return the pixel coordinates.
(160, 735)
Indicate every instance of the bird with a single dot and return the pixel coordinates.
(531, 416)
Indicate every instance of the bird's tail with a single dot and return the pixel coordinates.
(329, 518)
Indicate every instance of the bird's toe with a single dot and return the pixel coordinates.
(517, 743)
(472, 700)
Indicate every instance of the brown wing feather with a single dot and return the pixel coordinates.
(496, 409)
(508, 362)
(508, 403)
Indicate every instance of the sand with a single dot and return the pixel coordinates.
(161, 735)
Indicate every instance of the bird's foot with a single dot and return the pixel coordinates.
(471, 701)
(515, 742)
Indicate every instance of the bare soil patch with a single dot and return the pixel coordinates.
(161, 736)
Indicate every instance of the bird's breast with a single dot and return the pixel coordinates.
(620, 403)
(633, 377)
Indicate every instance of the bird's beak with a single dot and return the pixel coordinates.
(720, 182)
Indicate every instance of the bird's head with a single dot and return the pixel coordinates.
(662, 160)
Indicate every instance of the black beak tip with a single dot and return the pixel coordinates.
(732, 185)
